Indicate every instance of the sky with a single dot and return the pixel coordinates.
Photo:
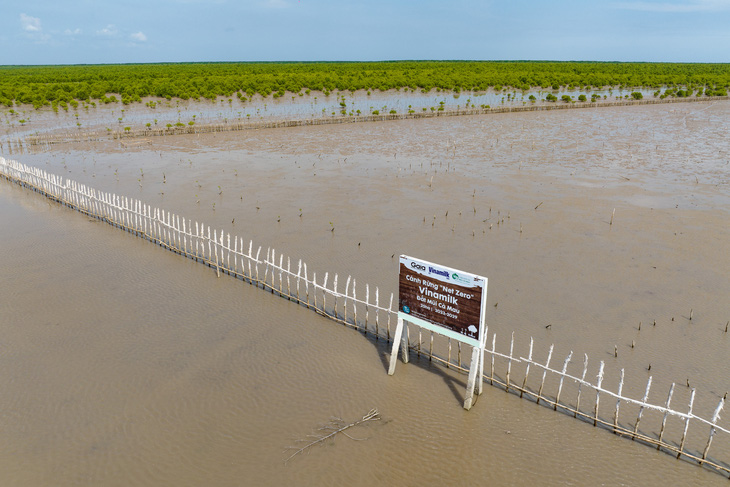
(137, 31)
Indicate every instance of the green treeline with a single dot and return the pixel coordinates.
(54, 85)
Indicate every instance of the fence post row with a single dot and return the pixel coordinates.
(162, 228)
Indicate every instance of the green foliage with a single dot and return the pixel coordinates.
(551, 97)
(636, 95)
(581, 97)
(129, 83)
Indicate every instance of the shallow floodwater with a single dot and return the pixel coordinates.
(157, 113)
(125, 364)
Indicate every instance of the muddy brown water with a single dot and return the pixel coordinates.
(124, 364)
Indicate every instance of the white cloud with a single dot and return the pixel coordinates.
(108, 31)
(684, 6)
(30, 24)
(74, 32)
(139, 37)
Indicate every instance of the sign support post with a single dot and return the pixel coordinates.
(445, 301)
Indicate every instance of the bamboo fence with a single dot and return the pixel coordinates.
(104, 134)
(554, 386)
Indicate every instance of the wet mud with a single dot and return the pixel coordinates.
(122, 363)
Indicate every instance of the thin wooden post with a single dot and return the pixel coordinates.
(270, 256)
(306, 284)
(249, 256)
(354, 307)
(299, 278)
(666, 413)
(228, 253)
(618, 400)
(641, 408)
(217, 266)
(527, 369)
(347, 287)
(390, 310)
(686, 422)
(580, 384)
(377, 309)
(314, 289)
(544, 373)
(367, 308)
(494, 347)
(598, 392)
(715, 417)
(197, 241)
(256, 266)
(288, 275)
(448, 358)
(509, 361)
(562, 378)
(334, 295)
(210, 252)
(235, 251)
(266, 269)
(324, 293)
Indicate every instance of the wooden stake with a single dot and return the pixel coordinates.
(686, 423)
(598, 387)
(544, 373)
(448, 358)
(664, 420)
(217, 266)
(334, 288)
(324, 293)
(367, 312)
(347, 287)
(562, 378)
(509, 361)
(354, 306)
(618, 400)
(527, 369)
(314, 289)
(377, 306)
(390, 307)
(299, 277)
(641, 408)
(715, 417)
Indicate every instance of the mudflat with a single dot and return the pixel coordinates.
(125, 364)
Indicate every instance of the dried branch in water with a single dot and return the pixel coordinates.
(335, 426)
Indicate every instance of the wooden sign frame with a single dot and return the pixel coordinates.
(436, 286)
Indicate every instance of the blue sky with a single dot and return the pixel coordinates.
(127, 31)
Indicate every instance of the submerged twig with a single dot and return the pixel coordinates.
(336, 425)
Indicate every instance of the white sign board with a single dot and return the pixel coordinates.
(446, 301)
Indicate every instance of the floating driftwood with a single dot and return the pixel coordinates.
(194, 241)
(332, 429)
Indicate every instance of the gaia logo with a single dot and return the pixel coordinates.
(406, 309)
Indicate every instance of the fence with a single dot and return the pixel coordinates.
(105, 134)
(274, 273)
